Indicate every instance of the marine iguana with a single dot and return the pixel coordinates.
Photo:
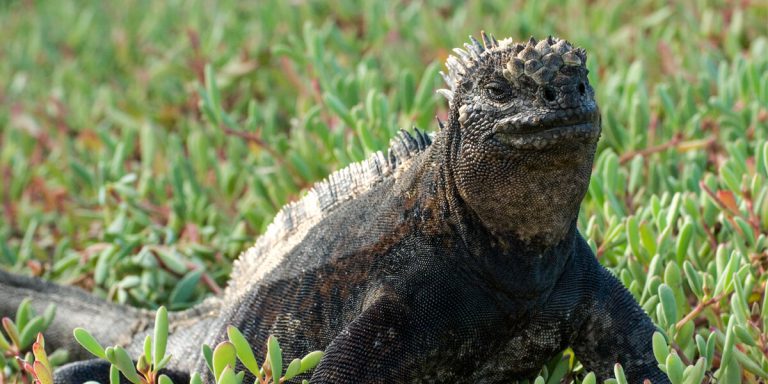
(452, 258)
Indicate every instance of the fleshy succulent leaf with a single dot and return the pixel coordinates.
(32, 328)
(124, 363)
(244, 351)
(161, 335)
(294, 368)
(89, 343)
(224, 355)
(38, 349)
(12, 331)
(275, 356)
(311, 360)
(42, 373)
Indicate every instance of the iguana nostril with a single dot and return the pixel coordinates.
(549, 94)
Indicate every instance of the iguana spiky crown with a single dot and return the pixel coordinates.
(549, 61)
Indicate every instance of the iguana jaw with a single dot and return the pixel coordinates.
(536, 131)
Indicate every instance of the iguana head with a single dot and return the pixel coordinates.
(523, 131)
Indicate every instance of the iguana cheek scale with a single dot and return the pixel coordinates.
(453, 257)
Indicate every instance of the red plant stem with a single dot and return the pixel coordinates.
(701, 306)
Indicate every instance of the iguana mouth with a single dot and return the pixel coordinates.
(540, 131)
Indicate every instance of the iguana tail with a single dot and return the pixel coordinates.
(111, 324)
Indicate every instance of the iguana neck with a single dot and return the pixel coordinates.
(522, 273)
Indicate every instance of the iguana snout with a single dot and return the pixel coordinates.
(546, 128)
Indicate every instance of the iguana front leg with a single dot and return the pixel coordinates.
(616, 330)
(371, 349)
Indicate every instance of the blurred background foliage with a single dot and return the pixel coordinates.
(145, 144)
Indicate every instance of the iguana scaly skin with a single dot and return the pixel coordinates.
(453, 258)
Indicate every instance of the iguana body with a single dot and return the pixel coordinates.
(452, 261)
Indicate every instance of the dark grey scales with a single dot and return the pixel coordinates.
(454, 258)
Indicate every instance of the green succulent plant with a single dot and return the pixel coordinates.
(142, 148)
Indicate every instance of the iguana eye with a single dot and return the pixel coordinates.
(497, 91)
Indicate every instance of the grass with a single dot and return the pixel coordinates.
(131, 170)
